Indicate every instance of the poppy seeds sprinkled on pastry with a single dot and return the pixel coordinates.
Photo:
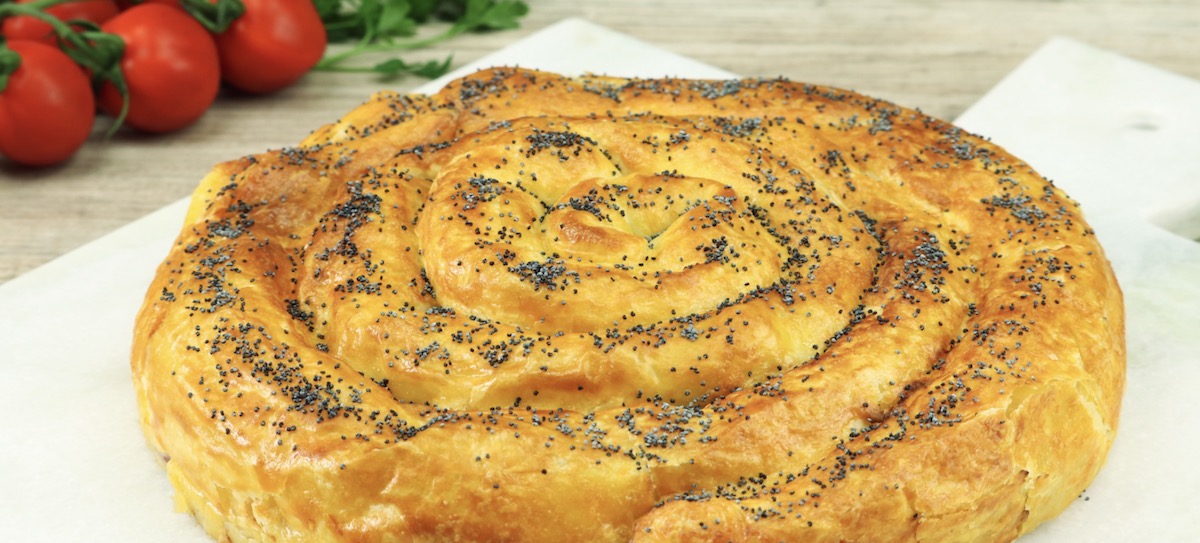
(540, 308)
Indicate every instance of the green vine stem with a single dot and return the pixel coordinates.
(215, 16)
(9, 62)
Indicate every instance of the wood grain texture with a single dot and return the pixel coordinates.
(939, 56)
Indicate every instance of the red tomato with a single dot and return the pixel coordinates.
(271, 45)
(170, 66)
(24, 27)
(47, 109)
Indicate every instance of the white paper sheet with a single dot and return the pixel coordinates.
(74, 467)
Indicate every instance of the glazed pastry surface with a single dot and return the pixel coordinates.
(539, 308)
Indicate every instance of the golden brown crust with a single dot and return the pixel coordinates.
(534, 308)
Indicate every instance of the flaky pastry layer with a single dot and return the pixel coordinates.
(538, 308)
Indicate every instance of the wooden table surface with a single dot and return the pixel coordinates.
(939, 56)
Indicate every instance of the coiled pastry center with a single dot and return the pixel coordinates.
(694, 263)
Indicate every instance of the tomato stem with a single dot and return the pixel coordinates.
(9, 62)
(43, 4)
(214, 16)
(37, 11)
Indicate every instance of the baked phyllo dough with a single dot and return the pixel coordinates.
(539, 308)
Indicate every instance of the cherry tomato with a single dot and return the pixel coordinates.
(47, 109)
(170, 66)
(271, 45)
(24, 27)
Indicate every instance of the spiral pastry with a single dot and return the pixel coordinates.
(538, 308)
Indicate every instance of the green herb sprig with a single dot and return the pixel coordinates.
(391, 25)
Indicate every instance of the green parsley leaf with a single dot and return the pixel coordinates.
(378, 26)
